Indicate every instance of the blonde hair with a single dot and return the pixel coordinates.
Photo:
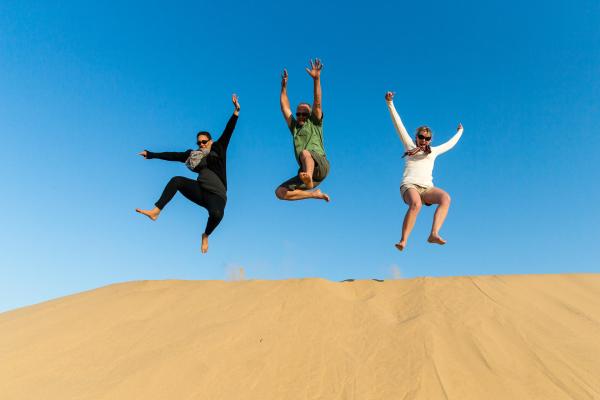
(424, 128)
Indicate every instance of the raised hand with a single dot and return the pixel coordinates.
(315, 68)
(236, 103)
(284, 78)
(143, 154)
(389, 96)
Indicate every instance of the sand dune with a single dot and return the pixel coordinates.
(488, 337)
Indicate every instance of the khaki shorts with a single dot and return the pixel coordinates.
(420, 189)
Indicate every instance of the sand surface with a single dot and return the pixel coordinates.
(488, 337)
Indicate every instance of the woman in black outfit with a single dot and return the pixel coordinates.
(209, 190)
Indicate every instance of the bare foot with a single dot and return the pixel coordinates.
(436, 239)
(307, 180)
(317, 194)
(152, 214)
(204, 247)
(401, 245)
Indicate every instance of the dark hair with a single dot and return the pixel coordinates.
(205, 134)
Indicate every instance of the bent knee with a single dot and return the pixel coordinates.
(445, 200)
(177, 180)
(216, 213)
(415, 206)
(280, 192)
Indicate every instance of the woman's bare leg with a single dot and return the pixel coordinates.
(440, 197)
(413, 200)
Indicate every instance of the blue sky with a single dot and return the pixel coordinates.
(83, 88)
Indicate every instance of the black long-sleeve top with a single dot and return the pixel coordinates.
(212, 171)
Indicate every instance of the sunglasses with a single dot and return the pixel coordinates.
(302, 114)
(202, 142)
(422, 137)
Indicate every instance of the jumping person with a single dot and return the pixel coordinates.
(417, 182)
(307, 134)
(209, 190)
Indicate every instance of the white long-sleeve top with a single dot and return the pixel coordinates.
(418, 169)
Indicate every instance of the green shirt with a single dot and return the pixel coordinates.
(308, 136)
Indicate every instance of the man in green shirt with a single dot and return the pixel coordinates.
(307, 133)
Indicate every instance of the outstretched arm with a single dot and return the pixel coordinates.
(167, 156)
(450, 143)
(315, 73)
(400, 129)
(228, 131)
(284, 101)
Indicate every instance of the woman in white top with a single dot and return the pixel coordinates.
(417, 182)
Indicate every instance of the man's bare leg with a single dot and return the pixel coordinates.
(437, 196)
(204, 247)
(308, 168)
(283, 193)
(152, 214)
(413, 200)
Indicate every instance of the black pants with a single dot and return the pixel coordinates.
(192, 191)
